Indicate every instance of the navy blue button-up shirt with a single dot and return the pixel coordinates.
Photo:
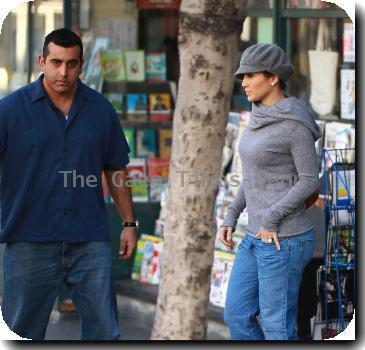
(51, 188)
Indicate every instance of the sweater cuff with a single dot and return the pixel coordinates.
(229, 220)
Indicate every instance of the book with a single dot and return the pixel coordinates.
(156, 66)
(93, 76)
(129, 135)
(137, 107)
(137, 179)
(348, 94)
(116, 99)
(135, 65)
(146, 145)
(165, 142)
(159, 106)
(112, 65)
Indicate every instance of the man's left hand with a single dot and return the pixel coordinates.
(128, 242)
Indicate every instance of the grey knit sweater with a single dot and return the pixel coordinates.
(280, 168)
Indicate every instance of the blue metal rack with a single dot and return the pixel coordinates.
(339, 251)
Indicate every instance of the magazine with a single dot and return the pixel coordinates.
(147, 261)
(339, 136)
(222, 267)
(158, 167)
(151, 263)
(158, 171)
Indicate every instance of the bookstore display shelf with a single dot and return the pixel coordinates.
(138, 86)
(145, 124)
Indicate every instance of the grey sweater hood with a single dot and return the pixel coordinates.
(288, 108)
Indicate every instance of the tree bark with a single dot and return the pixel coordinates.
(208, 42)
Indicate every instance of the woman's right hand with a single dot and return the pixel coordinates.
(225, 233)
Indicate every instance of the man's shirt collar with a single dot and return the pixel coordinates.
(37, 90)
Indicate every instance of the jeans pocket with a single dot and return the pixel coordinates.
(306, 248)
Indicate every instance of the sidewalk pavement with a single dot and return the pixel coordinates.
(136, 311)
(135, 321)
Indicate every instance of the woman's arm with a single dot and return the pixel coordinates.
(305, 159)
(230, 220)
(235, 208)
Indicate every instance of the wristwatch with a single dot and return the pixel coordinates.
(130, 224)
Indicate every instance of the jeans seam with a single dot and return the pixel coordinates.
(286, 292)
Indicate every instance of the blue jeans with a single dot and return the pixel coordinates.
(34, 274)
(265, 282)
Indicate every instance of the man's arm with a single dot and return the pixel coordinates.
(121, 194)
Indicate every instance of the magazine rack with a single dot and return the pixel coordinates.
(336, 279)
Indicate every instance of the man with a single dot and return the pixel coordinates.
(56, 137)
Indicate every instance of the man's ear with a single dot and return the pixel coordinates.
(41, 62)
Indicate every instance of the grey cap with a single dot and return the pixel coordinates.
(265, 57)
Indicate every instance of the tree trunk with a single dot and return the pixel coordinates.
(208, 42)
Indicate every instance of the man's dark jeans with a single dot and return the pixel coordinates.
(34, 274)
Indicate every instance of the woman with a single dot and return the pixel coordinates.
(280, 171)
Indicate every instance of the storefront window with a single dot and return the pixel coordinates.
(317, 54)
(257, 30)
(311, 4)
(48, 15)
(14, 50)
(260, 4)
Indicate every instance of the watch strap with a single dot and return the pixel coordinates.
(130, 224)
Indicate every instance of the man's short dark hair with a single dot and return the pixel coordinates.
(62, 37)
